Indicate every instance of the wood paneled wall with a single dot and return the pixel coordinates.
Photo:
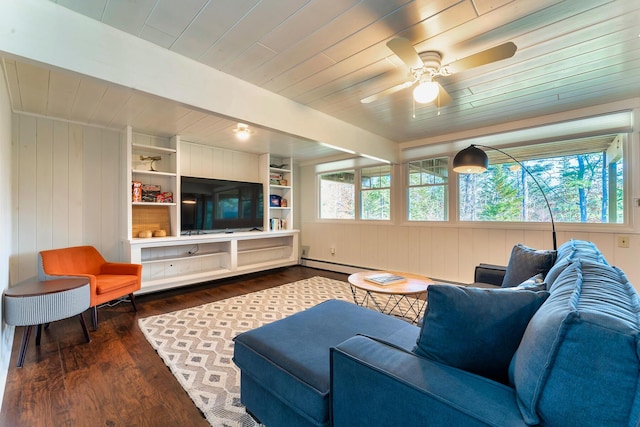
(67, 181)
(211, 162)
(6, 331)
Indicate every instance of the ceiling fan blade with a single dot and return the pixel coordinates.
(386, 92)
(498, 53)
(405, 51)
(443, 97)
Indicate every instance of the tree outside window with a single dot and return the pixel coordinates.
(428, 190)
(375, 193)
(337, 195)
(582, 187)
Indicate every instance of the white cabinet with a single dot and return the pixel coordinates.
(279, 192)
(177, 261)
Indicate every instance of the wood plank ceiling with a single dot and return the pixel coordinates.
(328, 54)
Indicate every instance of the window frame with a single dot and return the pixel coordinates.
(357, 194)
(626, 226)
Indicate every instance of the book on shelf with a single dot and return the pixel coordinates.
(384, 278)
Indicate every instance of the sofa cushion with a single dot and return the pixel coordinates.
(571, 251)
(476, 329)
(580, 351)
(526, 262)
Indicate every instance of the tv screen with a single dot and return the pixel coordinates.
(214, 205)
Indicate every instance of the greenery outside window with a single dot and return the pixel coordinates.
(375, 193)
(583, 180)
(428, 190)
(337, 195)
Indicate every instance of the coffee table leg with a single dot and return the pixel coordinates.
(26, 334)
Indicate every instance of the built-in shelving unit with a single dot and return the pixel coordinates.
(175, 260)
(279, 197)
(153, 164)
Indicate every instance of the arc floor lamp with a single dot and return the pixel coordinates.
(474, 160)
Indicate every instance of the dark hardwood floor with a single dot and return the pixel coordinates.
(117, 379)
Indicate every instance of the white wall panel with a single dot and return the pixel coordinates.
(447, 253)
(67, 180)
(26, 209)
(44, 182)
(211, 162)
(60, 209)
(75, 166)
(6, 223)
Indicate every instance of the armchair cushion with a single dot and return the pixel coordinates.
(526, 262)
(476, 329)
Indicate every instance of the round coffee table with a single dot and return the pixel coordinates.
(406, 299)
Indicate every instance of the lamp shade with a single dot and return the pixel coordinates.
(470, 160)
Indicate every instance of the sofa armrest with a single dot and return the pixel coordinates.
(373, 383)
(489, 274)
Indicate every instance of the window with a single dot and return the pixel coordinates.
(337, 195)
(428, 190)
(375, 193)
(583, 180)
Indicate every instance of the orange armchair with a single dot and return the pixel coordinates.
(108, 280)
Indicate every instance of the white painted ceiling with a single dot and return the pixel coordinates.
(328, 54)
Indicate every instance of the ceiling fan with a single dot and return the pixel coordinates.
(426, 67)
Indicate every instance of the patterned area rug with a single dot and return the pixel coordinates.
(196, 343)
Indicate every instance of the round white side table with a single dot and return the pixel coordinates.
(37, 303)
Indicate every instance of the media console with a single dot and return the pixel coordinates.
(170, 262)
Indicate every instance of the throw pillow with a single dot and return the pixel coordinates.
(526, 262)
(535, 283)
(476, 329)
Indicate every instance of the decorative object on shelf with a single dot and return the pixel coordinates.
(242, 131)
(474, 160)
(284, 182)
(166, 197)
(136, 191)
(145, 234)
(283, 203)
(275, 201)
(276, 224)
(150, 192)
(275, 166)
(152, 160)
(159, 233)
(275, 178)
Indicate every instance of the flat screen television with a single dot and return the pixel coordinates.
(216, 205)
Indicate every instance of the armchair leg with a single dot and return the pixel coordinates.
(94, 317)
(133, 301)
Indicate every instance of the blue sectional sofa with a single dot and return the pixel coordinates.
(560, 348)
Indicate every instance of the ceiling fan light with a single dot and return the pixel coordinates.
(426, 92)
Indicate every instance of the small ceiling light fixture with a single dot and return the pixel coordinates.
(427, 91)
(242, 131)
